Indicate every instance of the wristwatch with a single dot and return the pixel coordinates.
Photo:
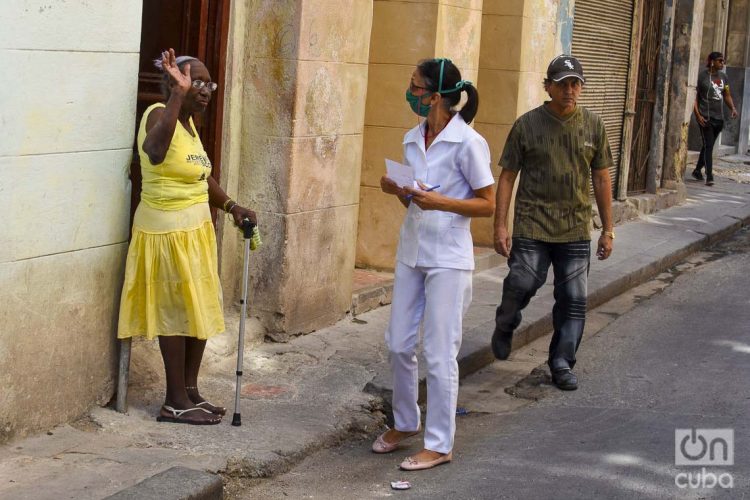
(611, 234)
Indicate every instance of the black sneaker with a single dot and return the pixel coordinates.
(565, 379)
(709, 182)
(697, 175)
(501, 342)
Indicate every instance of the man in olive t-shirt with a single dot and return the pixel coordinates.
(557, 149)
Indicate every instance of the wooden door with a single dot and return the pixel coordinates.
(646, 95)
(192, 27)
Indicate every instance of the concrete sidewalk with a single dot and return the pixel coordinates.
(321, 388)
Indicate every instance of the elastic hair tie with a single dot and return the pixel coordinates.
(459, 86)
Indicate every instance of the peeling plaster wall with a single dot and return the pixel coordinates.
(661, 108)
(738, 29)
(565, 18)
(303, 67)
(67, 113)
(686, 62)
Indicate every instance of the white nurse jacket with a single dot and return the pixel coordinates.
(459, 161)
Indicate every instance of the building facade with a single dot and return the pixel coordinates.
(311, 103)
(67, 116)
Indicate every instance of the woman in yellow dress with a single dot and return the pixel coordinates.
(172, 288)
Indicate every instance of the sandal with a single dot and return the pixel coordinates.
(206, 405)
(216, 410)
(177, 416)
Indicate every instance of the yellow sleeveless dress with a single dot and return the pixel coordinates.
(171, 274)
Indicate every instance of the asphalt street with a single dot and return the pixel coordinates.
(671, 354)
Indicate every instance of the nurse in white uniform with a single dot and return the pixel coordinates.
(435, 256)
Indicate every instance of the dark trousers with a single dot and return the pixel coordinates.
(529, 262)
(709, 134)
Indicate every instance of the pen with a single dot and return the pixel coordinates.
(410, 196)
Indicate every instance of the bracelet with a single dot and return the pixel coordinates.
(611, 234)
(231, 206)
(226, 204)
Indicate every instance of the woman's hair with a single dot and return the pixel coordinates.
(712, 57)
(451, 86)
(180, 61)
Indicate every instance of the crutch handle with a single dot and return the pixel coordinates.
(247, 228)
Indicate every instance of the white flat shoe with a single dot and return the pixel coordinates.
(380, 445)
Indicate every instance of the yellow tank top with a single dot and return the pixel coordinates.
(181, 180)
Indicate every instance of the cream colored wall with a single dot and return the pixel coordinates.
(519, 38)
(67, 111)
(737, 33)
(710, 27)
(402, 34)
(302, 68)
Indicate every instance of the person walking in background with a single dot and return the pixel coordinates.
(557, 148)
(171, 289)
(711, 94)
(434, 260)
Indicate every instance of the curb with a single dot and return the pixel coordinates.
(177, 483)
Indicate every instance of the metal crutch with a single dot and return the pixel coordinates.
(247, 228)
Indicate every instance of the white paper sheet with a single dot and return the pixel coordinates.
(403, 175)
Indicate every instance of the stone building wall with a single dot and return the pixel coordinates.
(403, 33)
(685, 65)
(519, 39)
(738, 60)
(303, 69)
(67, 111)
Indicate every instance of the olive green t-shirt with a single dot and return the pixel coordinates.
(554, 157)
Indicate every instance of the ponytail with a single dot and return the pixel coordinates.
(469, 111)
(442, 76)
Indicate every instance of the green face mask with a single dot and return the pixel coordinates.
(416, 103)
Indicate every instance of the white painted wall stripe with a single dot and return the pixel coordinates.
(65, 202)
(61, 101)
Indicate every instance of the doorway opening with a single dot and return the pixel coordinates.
(198, 28)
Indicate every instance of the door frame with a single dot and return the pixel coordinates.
(204, 34)
(629, 118)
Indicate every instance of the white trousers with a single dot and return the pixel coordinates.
(441, 297)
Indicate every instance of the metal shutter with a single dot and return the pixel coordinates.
(601, 41)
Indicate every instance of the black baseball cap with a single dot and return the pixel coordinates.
(563, 67)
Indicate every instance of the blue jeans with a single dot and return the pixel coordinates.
(529, 263)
